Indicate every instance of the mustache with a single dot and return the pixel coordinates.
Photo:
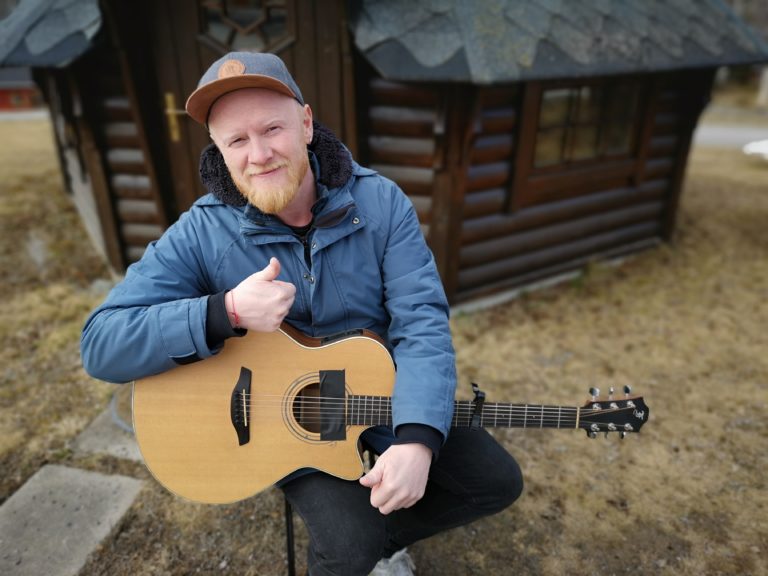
(265, 169)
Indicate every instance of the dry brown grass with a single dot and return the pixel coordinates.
(46, 266)
(685, 325)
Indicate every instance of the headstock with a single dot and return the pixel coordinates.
(623, 414)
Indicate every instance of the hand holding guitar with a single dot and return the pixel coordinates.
(260, 302)
(399, 477)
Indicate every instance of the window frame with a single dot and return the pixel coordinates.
(539, 184)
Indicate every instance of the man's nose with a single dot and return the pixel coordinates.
(259, 151)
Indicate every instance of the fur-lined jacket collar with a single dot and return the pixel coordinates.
(334, 159)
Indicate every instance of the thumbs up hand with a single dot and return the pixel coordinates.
(261, 301)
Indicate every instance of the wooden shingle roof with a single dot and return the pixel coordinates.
(48, 33)
(489, 41)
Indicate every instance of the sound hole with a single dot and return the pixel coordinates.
(306, 408)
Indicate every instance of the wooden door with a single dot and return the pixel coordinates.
(188, 37)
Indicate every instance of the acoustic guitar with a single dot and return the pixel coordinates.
(225, 428)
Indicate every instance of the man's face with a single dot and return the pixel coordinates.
(263, 137)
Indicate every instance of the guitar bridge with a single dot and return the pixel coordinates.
(239, 406)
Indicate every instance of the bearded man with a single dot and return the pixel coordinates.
(294, 230)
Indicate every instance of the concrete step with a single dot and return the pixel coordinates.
(105, 436)
(58, 517)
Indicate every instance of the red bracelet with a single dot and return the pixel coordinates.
(234, 312)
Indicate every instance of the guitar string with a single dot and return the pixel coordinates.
(462, 422)
(486, 423)
(488, 410)
(277, 399)
(341, 409)
(281, 398)
(374, 402)
(314, 415)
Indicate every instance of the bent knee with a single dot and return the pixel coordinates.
(505, 485)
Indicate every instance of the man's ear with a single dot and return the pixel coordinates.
(307, 122)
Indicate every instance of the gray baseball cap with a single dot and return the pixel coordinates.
(238, 70)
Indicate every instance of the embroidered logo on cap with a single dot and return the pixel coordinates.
(231, 68)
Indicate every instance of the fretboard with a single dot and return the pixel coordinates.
(377, 410)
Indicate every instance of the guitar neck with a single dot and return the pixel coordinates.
(377, 410)
(504, 415)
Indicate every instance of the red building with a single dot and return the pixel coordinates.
(17, 90)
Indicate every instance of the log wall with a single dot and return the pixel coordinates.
(464, 157)
(596, 211)
(403, 126)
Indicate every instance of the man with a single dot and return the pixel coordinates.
(294, 230)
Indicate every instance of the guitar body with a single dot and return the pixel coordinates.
(184, 425)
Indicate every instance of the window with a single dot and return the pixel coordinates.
(251, 25)
(585, 123)
(576, 138)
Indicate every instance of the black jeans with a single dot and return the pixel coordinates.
(473, 477)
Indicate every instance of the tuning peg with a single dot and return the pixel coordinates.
(622, 435)
(594, 392)
(592, 434)
(610, 393)
(627, 390)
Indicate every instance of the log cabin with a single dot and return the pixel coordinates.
(533, 136)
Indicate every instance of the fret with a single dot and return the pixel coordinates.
(371, 401)
(541, 422)
(382, 413)
(525, 416)
(559, 410)
(360, 413)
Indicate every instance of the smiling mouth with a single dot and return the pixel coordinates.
(266, 172)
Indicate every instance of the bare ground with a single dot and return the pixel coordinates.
(685, 325)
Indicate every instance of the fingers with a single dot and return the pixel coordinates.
(399, 477)
(372, 478)
(270, 272)
(261, 301)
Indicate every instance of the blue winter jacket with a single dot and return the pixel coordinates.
(369, 267)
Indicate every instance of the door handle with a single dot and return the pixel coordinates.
(172, 114)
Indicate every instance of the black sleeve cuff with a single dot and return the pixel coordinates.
(217, 325)
(421, 434)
